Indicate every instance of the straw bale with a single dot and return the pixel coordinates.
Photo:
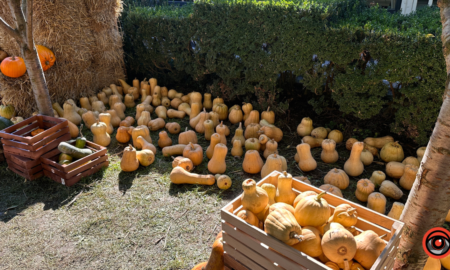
(87, 42)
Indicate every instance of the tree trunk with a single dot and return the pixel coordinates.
(38, 83)
(428, 202)
(23, 34)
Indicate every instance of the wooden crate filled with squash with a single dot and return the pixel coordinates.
(25, 142)
(73, 160)
(283, 223)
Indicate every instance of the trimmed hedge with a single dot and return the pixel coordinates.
(363, 61)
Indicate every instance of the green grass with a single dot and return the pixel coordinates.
(138, 220)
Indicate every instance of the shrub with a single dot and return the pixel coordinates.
(364, 61)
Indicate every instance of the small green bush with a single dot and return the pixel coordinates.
(239, 49)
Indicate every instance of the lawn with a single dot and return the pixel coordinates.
(138, 220)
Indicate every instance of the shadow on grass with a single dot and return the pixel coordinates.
(126, 180)
(18, 194)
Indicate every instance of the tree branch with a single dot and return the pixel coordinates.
(9, 30)
(21, 26)
(29, 12)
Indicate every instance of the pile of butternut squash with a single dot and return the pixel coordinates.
(304, 222)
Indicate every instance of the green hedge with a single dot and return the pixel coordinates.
(239, 49)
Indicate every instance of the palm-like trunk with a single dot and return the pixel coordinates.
(428, 201)
(23, 34)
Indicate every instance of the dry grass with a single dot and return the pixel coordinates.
(116, 220)
(87, 43)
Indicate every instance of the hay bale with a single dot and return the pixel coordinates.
(87, 42)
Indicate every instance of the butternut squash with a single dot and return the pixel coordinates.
(129, 101)
(213, 116)
(409, 177)
(129, 162)
(378, 142)
(209, 129)
(207, 102)
(354, 166)
(115, 119)
(235, 114)
(336, 136)
(420, 153)
(273, 163)
(307, 162)
(271, 148)
(329, 153)
(161, 112)
(349, 143)
(194, 152)
(248, 217)
(311, 242)
(195, 110)
(187, 136)
(173, 128)
(101, 136)
(366, 157)
(164, 140)
(145, 144)
(175, 103)
(313, 142)
(271, 131)
(338, 244)
(140, 131)
(377, 202)
(392, 151)
(377, 178)
(332, 190)
(237, 150)
(106, 118)
(411, 160)
(181, 176)
(396, 210)
(144, 119)
(94, 98)
(391, 190)
(246, 108)
(364, 188)
(145, 157)
(253, 162)
(337, 178)
(252, 131)
(345, 215)
(217, 163)
(84, 103)
(185, 108)
(282, 225)
(183, 162)
(224, 182)
(222, 110)
(175, 114)
(285, 193)
(395, 169)
(368, 248)
(253, 118)
(89, 118)
(252, 144)
(156, 124)
(199, 127)
(312, 211)
(119, 110)
(319, 133)
(70, 114)
(174, 150)
(221, 130)
(305, 127)
(122, 135)
(127, 122)
(165, 102)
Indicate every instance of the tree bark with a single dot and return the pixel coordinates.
(428, 202)
(23, 34)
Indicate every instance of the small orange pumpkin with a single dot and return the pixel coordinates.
(13, 67)
(46, 56)
(37, 131)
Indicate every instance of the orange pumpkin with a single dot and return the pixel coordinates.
(46, 56)
(36, 131)
(13, 67)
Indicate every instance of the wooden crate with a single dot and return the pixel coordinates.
(72, 173)
(248, 247)
(23, 151)
(31, 169)
(17, 139)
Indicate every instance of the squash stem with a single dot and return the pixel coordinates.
(346, 266)
(319, 196)
(296, 236)
(383, 236)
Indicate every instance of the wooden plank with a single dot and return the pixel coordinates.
(31, 171)
(245, 244)
(231, 263)
(249, 253)
(242, 258)
(393, 243)
(77, 178)
(41, 151)
(76, 171)
(273, 243)
(27, 176)
(34, 147)
(24, 162)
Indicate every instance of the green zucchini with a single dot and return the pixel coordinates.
(81, 141)
(73, 151)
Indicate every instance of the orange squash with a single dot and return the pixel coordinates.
(46, 57)
(194, 152)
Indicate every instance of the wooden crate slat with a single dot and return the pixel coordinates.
(242, 258)
(7, 133)
(26, 130)
(76, 171)
(77, 178)
(27, 176)
(389, 252)
(39, 144)
(41, 151)
(231, 263)
(273, 243)
(24, 162)
(247, 244)
(31, 171)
